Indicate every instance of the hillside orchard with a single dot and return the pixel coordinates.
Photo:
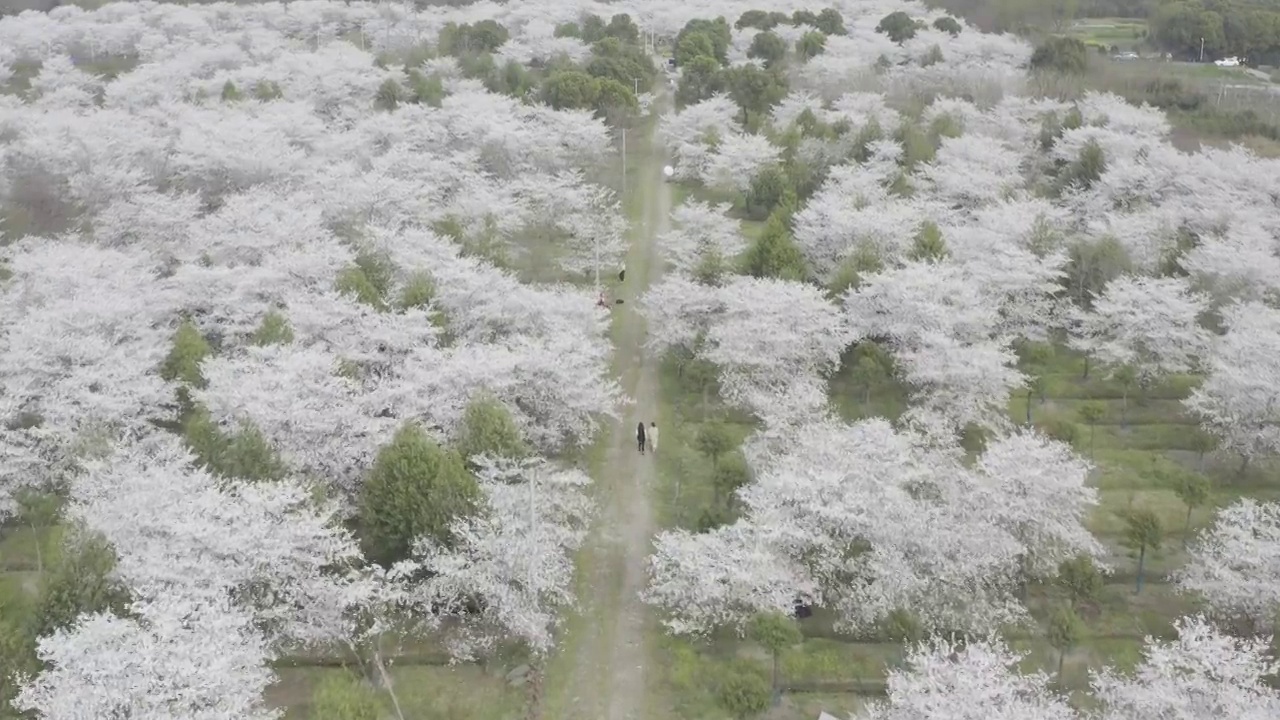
(300, 346)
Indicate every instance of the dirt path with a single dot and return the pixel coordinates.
(603, 673)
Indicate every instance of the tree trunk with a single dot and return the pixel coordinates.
(1092, 427)
(1062, 655)
(1124, 408)
(866, 394)
(386, 680)
(1186, 528)
(39, 555)
(1142, 556)
(1200, 462)
(1029, 394)
(775, 672)
(1085, 376)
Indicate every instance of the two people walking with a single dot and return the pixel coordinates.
(649, 437)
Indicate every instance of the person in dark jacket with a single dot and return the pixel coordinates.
(640, 437)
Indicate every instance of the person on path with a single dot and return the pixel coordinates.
(640, 437)
(653, 437)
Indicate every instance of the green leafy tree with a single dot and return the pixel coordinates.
(415, 489)
(628, 64)
(568, 29)
(1202, 442)
(866, 374)
(1128, 379)
(182, 364)
(1193, 490)
(615, 102)
(695, 45)
(488, 428)
(754, 89)
(81, 579)
(571, 90)
(765, 192)
(425, 89)
(1064, 632)
(830, 21)
(774, 632)
(701, 78)
(623, 28)
(758, 19)
(266, 91)
(592, 28)
(38, 510)
(342, 696)
(1087, 168)
(775, 254)
(1091, 413)
(804, 17)
(367, 280)
(249, 456)
(928, 244)
(714, 440)
(717, 32)
(811, 45)
(230, 93)
(389, 95)
(863, 261)
(947, 24)
(1061, 54)
(898, 26)
(1090, 266)
(485, 36)
(743, 690)
(768, 47)
(274, 330)
(1081, 580)
(418, 292)
(1143, 532)
(730, 473)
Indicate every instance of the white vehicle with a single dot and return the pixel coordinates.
(1228, 62)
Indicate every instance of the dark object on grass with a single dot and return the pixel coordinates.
(618, 301)
(622, 276)
(803, 610)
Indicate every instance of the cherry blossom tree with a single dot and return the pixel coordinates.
(1203, 675)
(178, 658)
(515, 558)
(83, 335)
(947, 337)
(702, 231)
(324, 424)
(977, 680)
(720, 578)
(1037, 492)
(1235, 565)
(737, 159)
(179, 532)
(859, 518)
(1237, 402)
(1148, 324)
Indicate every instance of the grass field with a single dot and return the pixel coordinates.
(1137, 446)
(1124, 33)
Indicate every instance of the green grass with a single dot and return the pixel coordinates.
(425, 693)
(1138, 444)
(1124, 33)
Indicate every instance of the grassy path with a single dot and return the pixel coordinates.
(603, 670)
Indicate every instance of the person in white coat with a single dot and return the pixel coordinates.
(652, 435)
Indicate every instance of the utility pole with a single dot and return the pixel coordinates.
(624, 163)
(1201, 49)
